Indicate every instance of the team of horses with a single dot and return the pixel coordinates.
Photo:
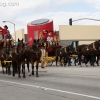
(89, 52)
(18, 55)
(23, 53)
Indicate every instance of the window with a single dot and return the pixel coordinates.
(36, 34)
(75, 43)
(30, 39)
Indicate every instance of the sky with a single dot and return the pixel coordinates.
(21, 12)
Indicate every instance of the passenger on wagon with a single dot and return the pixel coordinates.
(41, 37)
(1, 38)
(56, 40)
(45, 33)
(50, 40)
(8, 37)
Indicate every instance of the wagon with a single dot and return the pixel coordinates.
(50, 55)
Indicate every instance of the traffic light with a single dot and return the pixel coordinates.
(70, 21)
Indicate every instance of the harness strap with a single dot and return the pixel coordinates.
(94, 47)
(75, 49)
(87, 48)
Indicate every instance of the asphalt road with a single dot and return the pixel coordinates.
(53, 83)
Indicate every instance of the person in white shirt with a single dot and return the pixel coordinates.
(49, 39)
(43, 57)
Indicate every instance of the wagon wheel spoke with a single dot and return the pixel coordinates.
(49, 63)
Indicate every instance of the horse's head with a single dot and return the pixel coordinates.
(69, 49)
(20, 46)
(96, 44)
(8, 46)
(36, 47)
(99, 42)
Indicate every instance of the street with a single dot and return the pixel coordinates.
(53, 83)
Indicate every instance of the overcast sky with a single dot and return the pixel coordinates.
(60, 11)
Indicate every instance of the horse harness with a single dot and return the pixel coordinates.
(94, 47)
(8, 36)
(87, 48)
(75, 49)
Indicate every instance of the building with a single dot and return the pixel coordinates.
(35, 27)
(19, 34)
(78, 35)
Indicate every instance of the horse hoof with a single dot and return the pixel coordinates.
(81, 66)
(13, 75)
(24, 76)
(32, 73)
(37, 75)
(19, 76)
(29, 74)
(93, 65)
(9, 73)
(86, 65)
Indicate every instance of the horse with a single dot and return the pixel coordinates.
(33, 54)
(95, 52)
(62, 54)
(88, 52)
(83, 50)
(70, 51)
(5, 55)
(18, 58)
(65, 55)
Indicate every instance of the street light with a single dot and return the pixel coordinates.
(14, 28)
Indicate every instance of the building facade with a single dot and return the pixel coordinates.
(84, 34)
(35, 27)
(19, 34)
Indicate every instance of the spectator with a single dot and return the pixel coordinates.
(43, 57)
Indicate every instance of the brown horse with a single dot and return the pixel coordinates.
(33, 54)
(64, 53)
(18, 58)
(5, 55)
(89, 52)
(95, 52)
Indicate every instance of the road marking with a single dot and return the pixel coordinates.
(44, 88)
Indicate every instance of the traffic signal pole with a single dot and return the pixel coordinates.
(70, 20)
